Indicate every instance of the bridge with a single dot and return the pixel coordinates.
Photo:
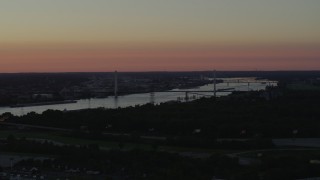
(241, 81)
(186, 92)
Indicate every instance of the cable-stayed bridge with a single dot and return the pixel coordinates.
(234, 83)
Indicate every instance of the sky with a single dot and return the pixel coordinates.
(153, 35)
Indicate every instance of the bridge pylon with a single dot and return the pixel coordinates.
(214, 83)
(115, 84)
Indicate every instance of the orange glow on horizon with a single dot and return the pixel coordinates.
(157, 58)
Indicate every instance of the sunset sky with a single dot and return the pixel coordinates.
(158, 35)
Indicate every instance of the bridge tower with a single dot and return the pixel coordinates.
(115, 84)
(214, 84)
(152, 97)
(187, 96)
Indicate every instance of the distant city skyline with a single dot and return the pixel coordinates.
(150, 35)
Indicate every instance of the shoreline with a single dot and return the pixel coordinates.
(43, 103)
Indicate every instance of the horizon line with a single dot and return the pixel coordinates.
(173, 71)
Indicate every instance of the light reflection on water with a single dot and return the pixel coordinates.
(139, 99)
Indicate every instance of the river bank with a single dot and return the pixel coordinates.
(44, 103)
(138, 99)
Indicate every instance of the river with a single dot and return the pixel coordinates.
(144, 98)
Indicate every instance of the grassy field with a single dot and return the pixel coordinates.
(301, 86)
(275, 153)
(60, 138)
